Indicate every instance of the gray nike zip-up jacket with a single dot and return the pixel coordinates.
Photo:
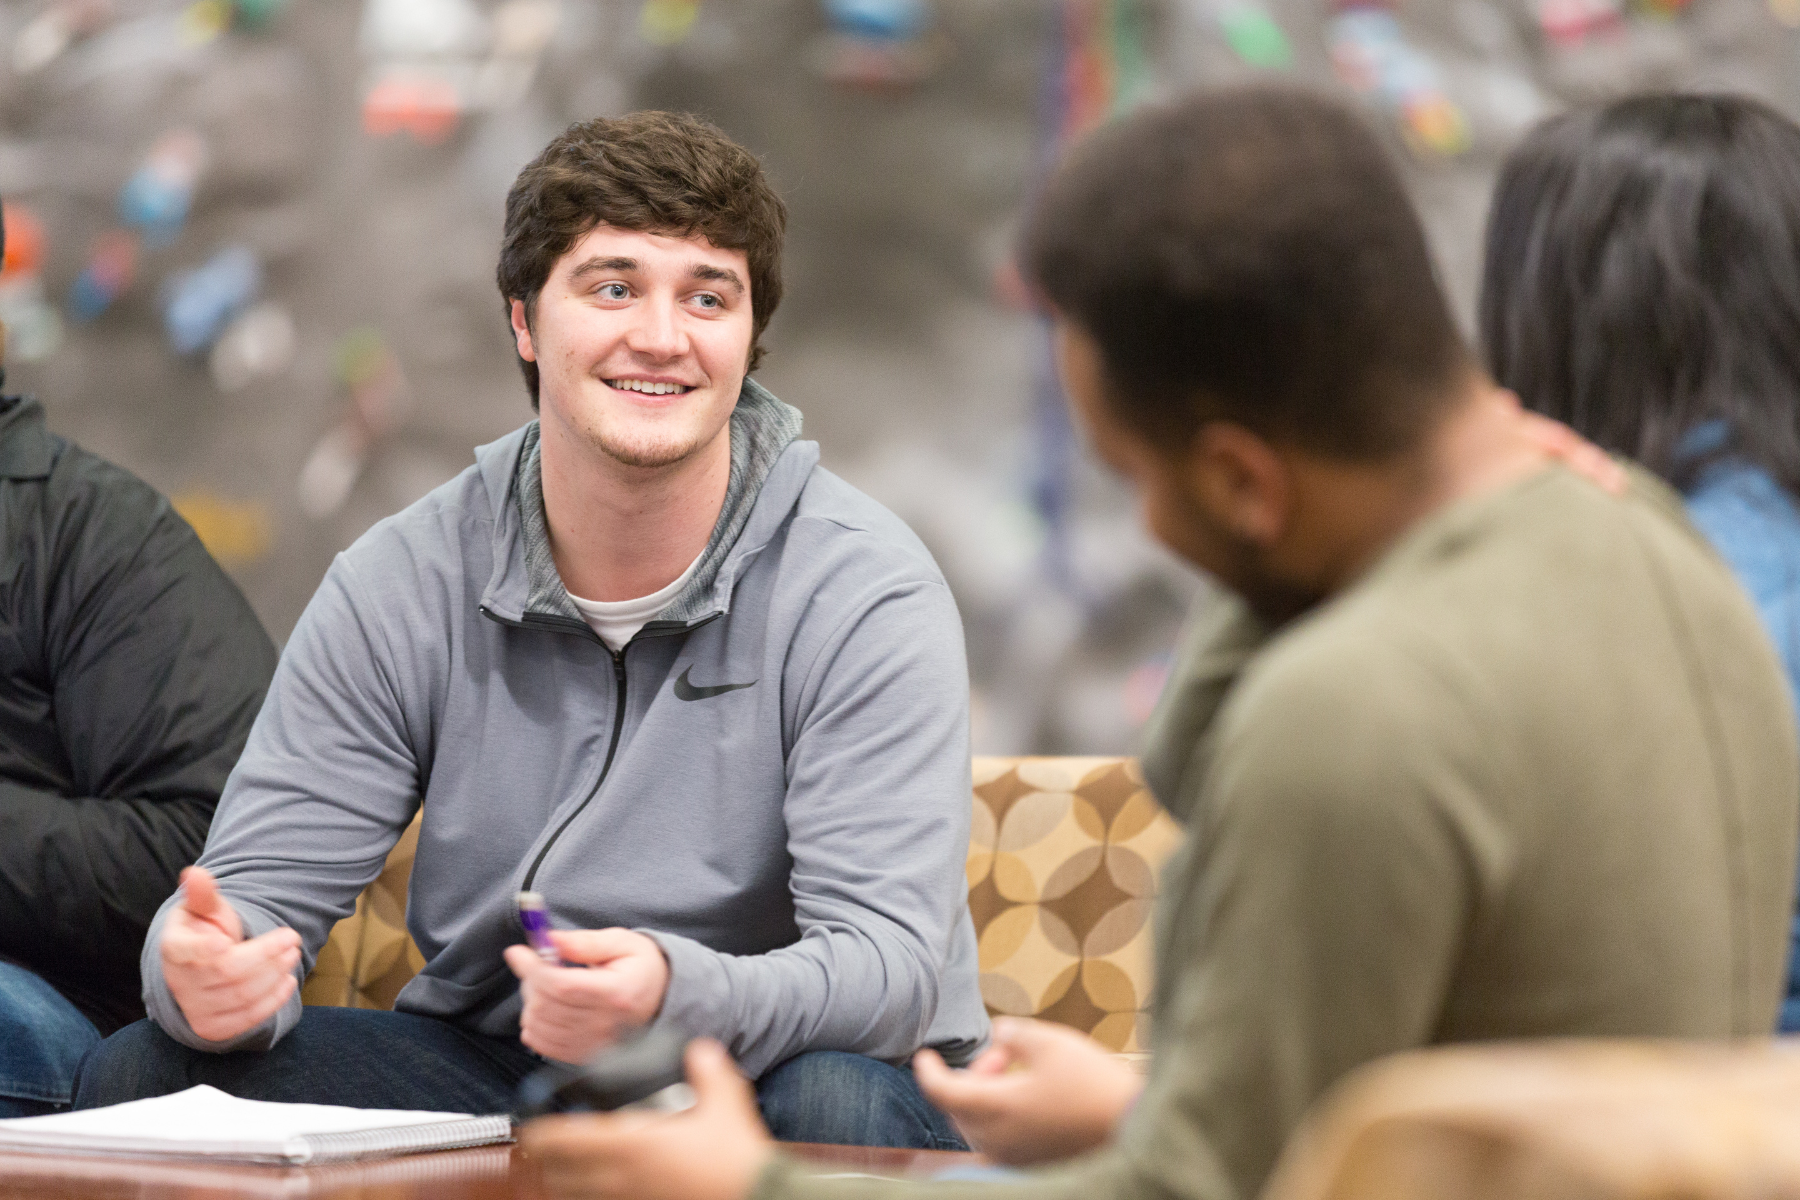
(771, 779)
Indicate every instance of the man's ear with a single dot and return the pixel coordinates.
(522, 331)
(1240, 482)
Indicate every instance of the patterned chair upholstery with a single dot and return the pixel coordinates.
(369, 956)
(1063, 859)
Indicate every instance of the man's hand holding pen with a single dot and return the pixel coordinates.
(224, 984)
(616, 982)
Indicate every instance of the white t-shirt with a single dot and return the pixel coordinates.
(617, 621)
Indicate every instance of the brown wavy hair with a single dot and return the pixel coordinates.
(650, 172)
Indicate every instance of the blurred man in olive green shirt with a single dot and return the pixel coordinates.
(1485, 749)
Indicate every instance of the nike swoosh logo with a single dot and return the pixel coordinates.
(687, 691)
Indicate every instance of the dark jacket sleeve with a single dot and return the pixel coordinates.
(152, 667)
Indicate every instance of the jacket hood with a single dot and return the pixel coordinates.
(769, 468)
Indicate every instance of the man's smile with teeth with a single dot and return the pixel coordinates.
(645, 386)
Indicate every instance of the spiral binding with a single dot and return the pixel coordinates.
(408, 1139)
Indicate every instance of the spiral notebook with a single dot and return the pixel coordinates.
(204, 1122)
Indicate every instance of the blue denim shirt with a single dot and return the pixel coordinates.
(1755, 525)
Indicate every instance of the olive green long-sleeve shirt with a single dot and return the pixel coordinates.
(1534, 774)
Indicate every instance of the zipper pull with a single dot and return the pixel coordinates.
(618, 657)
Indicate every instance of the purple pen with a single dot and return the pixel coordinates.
(534, 918)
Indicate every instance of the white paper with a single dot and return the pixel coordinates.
(203, 1121)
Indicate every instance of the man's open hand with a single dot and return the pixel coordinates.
(571, 1012)
(1041, 1092)
(713, 1151)
(224, 984)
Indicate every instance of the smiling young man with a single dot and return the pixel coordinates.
(1483, 751)
(645, 658)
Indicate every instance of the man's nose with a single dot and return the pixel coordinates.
(657, 332)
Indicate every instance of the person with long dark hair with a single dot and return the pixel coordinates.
(1643, 286)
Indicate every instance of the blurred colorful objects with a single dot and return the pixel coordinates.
(24, 243)
(896, 19)
(417, 102)
(1569, 23)
(411, 30)
(199, 303)
(258, 345)
(204, 20)
(432, 63)
(667, 22)
(1100, 69)
(522, 29)
(235, 532)
(331, 471)
(1432, 124)
(424, 59)
(876, 44)
(111, 267)
(1372, 56)
(156, 199)
(1103, 68)
(368, 370)
(1254, 35)
(33, 330)
(256, 14)
(54, 30)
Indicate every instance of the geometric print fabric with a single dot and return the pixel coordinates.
(1063, 860)
(1063, 857)
(369, 956)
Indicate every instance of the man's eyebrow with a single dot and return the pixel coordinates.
(712, 274)
(595, 266)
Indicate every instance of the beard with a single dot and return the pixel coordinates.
(1235, 563)
(1276, 601)
(651, 452)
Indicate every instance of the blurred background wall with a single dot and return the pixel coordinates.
(251, 247)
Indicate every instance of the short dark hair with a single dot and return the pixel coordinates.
(1643, 278)
(651, 172)
(1249, 254)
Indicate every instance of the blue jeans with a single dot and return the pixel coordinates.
(401, 1060)
(42, 1038)
(850, 1100)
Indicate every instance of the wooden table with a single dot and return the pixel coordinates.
(486, 1173)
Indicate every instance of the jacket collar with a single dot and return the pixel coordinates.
(26, 451)
(768, 470)
(1181, 737)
